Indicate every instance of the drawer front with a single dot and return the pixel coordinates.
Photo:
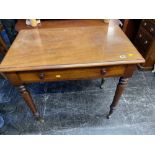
(152, 28)
(145, 23)
(149, 26)
(143, 41)
(71, 74)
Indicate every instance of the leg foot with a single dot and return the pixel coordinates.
(110, 112)
(102, 83)
(119, 91)
(40, 120)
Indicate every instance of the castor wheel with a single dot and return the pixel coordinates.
(40, 120)
(108, 116)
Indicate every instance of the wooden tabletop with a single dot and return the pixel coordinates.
(59, 23)
(70, 47)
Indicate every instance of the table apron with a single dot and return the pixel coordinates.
(21, 77)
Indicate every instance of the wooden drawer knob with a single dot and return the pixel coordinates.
(145, 24)
(103, 71)
(41, 76)
(152, 29)
(140, 35)
(145, 42)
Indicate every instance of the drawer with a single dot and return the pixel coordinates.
(152, 29)
(71, 74)
(149, 26)
(145, 24)
(143, 41)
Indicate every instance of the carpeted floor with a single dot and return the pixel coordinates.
(80, 107)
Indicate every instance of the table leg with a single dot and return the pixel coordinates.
(28, 99)
(119, 91)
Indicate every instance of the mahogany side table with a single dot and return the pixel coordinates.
(71, 53)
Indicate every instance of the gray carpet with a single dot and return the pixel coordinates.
(80, 107)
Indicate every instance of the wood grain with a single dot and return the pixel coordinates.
(60, 23)
(72, 47)
(71, 74)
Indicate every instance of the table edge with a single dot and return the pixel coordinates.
(67, 66)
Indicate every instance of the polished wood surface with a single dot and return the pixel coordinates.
(59, 23)
(72, 47)
(71, 74)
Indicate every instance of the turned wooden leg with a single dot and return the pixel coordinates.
(119, 91)
(28, 99)
(102, 83)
